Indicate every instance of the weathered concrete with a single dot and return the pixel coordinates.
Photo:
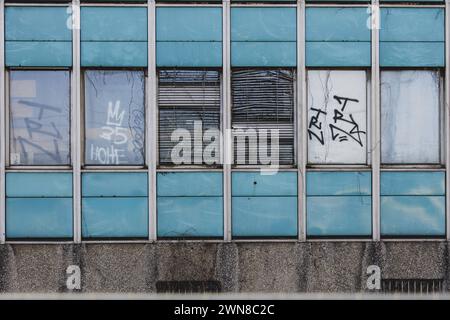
(239, 267)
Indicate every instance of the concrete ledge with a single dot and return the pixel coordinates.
(240, 267)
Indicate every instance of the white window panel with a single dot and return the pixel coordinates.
(337, 117)
(410, 130)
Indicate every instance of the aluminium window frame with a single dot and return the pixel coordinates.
(348, 166)
(8, 127)
(438, 166)
(88, 167)
(295, 124)
(190, 167)
(226, 5)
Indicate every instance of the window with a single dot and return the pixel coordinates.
(114, 117)
(263, 115)
(189, 116)
(410, 108)
(337, 117)
(39, 118)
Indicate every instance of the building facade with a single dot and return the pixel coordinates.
(231, 146)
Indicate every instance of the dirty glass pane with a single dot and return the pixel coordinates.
(114, 117)
(410, 128)
(337, 111)
(39, 118)
(189, 103)
(263, 116)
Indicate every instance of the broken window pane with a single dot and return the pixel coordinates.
(114, 117)
(410, 104)
(189, 116)
(263, 116)
(337, 117)
(39, 118)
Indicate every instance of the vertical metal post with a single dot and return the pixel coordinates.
(226, 116)
(76, 120)
(2, 124)
(375, 149)
(447, 117)
(302, 108)
(152, 121)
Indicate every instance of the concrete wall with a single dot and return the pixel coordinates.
(240, 267)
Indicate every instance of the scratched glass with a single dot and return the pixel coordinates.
(337, 117)
(114, 117)
(410, 125)
(39, 118)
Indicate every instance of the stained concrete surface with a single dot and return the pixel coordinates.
(278, 267)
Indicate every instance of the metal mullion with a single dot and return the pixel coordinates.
(301, 120)
(76, 151)
(375, 125)
(447, 118)
(152, 121)
(2, 124)
(227, 141)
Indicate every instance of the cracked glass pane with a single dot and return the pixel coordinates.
(337, 117)
(410, 125)
(114, 117)
(39, 118)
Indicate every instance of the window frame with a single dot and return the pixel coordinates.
(296, 126)
(369, 129)
(8, 120)
(442, 136)
(82, 151)
(203, 166)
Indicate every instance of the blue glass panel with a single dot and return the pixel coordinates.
(412, 54)
(189, 24)
(263, 24)
(190, 217)
(114, 54)
(339, 216)
(413, 183)
(189, 184)
(113, 24)
(337, 24)
(264, 54)
(256, 184)
(338, 183)
(338, 54)
(117, 184)
(39, 218)
(189, 54)
(413, 215)
(264, 216)
(37, 184)
(412, 24)
(412, 37)
(114, 117)
(37, 23)
(38, 54)
(115, 217)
